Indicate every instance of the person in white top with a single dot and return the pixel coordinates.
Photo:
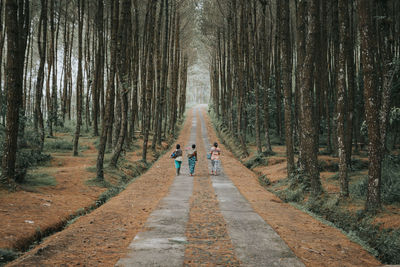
(215, 160)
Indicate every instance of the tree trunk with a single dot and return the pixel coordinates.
(367, 38)
(79, 82)
(124, 37)
(150, 76)
(341, 99)
(107, 120)
(42, 40)
(17, 22)
(306, 102)
(287, 85)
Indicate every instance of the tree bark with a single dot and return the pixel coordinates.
(287, 84)
(42, 40)
(124, 33)
(341, 99)
(79, 82)
(306, 102)
(367, 38)
(17, 22)
(107, 120)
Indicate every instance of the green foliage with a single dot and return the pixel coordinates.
(227, 138)
(27, 158)
(7, 255)
(300, 180)
(394, 116)
(358, 165)
(390, 186)
(66, 127)
(28, 153)
(58, 145)
(289, 195)
(258, 160)
(263, 180)
(382, 243)
(39, 179)
(105, 196)
(92, 169)
(328, 166)
(97, 182)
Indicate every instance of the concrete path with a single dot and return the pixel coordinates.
(162, 243)
(255, 242)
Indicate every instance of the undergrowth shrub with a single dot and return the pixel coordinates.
(27, 158)
(289, 195)
(28, 153)
(358, 164)
(328, 166)
(255, 161)
(39, 179)
(264, 181)
(66, 127)
(383, 243)
(390, 186)
(57, 145)
(226, 137)
(7, 255)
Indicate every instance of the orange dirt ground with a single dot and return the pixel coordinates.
(209, 243)
(23, 213)
(101, 237)
(315, 243)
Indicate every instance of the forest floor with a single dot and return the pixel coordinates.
(60, 191)
(102, 237)
(275, 170)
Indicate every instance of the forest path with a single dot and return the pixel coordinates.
(225, 220)
(222, 230)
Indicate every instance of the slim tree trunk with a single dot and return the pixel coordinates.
(124, 36)
(150, 76)
(306, 102)
(107, 120)
(287, 85)
(17, 21)
(42, 40)
(341, 99)
(367, 37)
(79, 82)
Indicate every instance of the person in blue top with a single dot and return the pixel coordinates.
(192, 158)
(177, 156)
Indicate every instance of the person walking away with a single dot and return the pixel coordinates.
(192, 158)
(177, 156)
(215, 160)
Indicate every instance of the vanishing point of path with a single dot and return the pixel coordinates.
(225, 220)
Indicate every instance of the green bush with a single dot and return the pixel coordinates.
(391, 180)
(7, 256)
(328, 166)
(113, 191)
(28, 153)
(358, 165)
(390, 186)
(256, 161)
(382, 243)
(66, 127)
(39, 179)
(264, 181)
(58, 145)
